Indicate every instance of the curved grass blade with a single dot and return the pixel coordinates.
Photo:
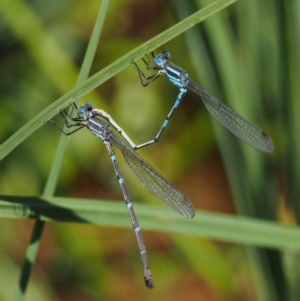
(224, 227)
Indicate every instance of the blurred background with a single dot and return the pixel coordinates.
(247, 56)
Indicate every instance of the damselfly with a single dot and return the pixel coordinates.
(98, 122)
(235, 123)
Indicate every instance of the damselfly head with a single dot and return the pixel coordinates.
(162, 58)
(82, 111)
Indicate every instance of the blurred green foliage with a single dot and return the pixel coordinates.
(247, 55)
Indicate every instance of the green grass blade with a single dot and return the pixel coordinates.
(108, 72)
(29, 260)
(93, 43)
(223, 227)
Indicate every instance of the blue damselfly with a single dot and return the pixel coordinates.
(99, 123)
(239, 126)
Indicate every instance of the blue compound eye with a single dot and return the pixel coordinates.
(158, 60)
(81, 112)
(89, 106)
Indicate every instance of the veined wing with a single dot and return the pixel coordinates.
(154, 181)
(235, 123)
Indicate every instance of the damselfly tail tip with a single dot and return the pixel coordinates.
(149, 282)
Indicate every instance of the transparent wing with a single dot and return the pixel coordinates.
(153, 181)
(235, 123)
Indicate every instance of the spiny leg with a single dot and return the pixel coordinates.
(80, 126)
(147, 63)
(66, 116)
(146, 81)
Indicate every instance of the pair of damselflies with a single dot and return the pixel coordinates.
(99, 123)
